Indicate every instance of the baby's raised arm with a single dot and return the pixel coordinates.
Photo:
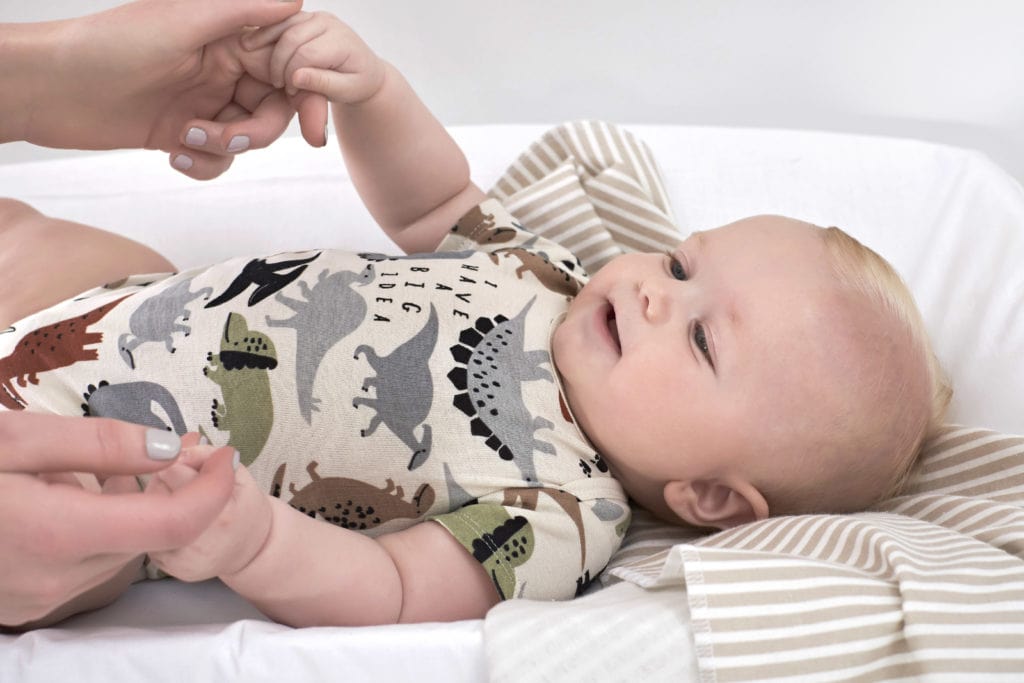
(409, 172)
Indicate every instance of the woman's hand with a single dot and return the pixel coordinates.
(149, 73)
(62, 540)
(232, 540)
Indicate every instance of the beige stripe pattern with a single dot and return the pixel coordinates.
(928, 587)
(592, 187)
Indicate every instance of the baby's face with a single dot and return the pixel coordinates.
(678, 366)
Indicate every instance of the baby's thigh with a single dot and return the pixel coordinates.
(46, 260)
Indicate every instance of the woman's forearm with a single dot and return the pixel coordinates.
(26, 72)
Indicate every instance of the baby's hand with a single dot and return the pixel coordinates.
(232, 540)
(316, 51)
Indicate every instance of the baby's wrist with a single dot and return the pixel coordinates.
(254, 550)
(381, 69)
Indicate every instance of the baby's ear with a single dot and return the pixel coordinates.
(716, 503)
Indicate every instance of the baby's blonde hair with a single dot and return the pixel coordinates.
(883, 473)
(861, 268)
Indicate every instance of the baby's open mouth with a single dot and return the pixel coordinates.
(613, 328)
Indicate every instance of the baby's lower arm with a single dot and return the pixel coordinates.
(310, 573)
(403, 163)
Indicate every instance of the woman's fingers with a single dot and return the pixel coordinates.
(184, 471)
(312, 108)
(36, 442)
(257, 117)
(268, 35)
(91, 524)
(197, 22)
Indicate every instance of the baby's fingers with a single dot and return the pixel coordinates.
(336, 86)
(290, 42)
(268, 35)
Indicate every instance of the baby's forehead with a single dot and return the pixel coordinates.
(768, 225)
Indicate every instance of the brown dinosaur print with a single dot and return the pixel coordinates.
(479, 227)
(526, 498)
(552, 278)
(54, 346)
(353, 504)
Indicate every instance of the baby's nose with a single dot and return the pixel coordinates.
(655, 301)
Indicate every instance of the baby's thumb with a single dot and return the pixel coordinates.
(185, 471)
(121, 483)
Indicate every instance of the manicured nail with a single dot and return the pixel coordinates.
(236, 460)
(162, 445)
(203, 441)
(182, 162)
(238, 143)
(196, 137)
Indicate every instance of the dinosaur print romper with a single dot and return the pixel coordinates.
(368, 391)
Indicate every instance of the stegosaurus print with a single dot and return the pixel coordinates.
(492, 368)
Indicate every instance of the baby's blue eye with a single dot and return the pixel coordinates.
(702, 341)
(676, 268)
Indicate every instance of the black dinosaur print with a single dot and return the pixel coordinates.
(268, 278)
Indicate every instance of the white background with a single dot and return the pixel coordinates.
(942, 70)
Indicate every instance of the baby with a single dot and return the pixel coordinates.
(471, 418)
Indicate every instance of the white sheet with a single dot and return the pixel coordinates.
(948, 220)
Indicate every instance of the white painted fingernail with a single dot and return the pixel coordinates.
(196, 137)
(182, 162)
(162, 445)
(236, 460)
(203, 441)
(238, 143)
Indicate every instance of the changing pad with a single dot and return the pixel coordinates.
(948, 219)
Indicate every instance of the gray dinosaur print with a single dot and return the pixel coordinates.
(332, 310)
(134, 402)
(157, 319)
(431, 256)
(457, 496)
(405, 389)
(492, 365)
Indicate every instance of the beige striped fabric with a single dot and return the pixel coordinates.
(592, 187)
(930, 586)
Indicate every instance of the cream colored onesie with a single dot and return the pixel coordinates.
(372, 392)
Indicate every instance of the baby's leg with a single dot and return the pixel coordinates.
(46, 260)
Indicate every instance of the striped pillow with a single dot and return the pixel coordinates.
(956, 461)
(593, 188)
(930, 583)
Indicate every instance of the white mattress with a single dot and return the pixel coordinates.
(948, 219)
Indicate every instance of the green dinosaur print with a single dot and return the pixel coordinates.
(496, 539)
(241, 369)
